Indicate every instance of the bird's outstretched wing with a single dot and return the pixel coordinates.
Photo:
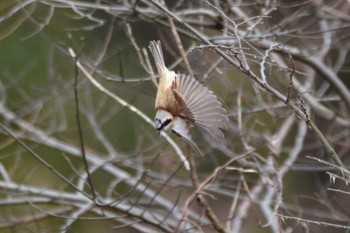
(200, 105)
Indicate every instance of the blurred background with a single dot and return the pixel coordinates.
(78, 149)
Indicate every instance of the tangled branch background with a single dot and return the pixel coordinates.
(78, 149)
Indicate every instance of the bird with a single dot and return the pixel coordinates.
(182, 102)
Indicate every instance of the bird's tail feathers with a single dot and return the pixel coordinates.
(156, 50)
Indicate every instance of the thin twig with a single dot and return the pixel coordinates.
(104, 48)
(121, 66)
(80, 131)
(179, 46)
(290, 79)
(319, 223)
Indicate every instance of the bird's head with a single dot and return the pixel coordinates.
(163, 119)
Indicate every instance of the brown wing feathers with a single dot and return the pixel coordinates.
(205, 109)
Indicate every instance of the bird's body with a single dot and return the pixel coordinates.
(182, 101)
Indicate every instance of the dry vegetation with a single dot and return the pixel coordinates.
(78, 149)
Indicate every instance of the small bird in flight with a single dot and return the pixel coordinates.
(182, 101)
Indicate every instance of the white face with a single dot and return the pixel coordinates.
(162, 120)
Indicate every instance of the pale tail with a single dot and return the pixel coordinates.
(156, 50)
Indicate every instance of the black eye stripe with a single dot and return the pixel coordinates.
(165, 123)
